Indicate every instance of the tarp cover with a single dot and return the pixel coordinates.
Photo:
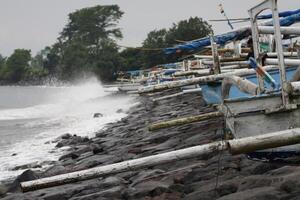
(222, 39)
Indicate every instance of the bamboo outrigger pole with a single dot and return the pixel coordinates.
(211, 78)
(185, 120)
(237, 146)
(195, 90)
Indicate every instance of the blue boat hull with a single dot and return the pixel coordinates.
(212, 92)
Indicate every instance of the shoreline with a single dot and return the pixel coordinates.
(219, 176)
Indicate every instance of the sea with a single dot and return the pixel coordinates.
(32, 117)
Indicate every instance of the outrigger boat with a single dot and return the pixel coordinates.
(249, 107)
(264, 123)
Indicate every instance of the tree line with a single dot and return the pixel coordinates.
(88, 45)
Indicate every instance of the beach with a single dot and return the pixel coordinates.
(215, 176)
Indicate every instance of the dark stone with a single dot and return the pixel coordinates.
(226, 189)
(66, 136)
(120, 110)
(27, 166)
(14, 154)
(69, 155)
(55, 170)
(55, 196)
(59, 145)
(177, 188)
(3, 190)
(98, 115)
(27, 175)
(96, 148)
(289, 186)
(265, 167)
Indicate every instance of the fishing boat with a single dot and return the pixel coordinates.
(267, 109)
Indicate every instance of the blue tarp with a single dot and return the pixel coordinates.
(281, 14)
(135, 72)
(222, 39)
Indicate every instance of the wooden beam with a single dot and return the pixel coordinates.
(200, 80)
(183, 121)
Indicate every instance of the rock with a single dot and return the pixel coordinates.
(120, 110)
(226, 189)
(96, 148)
(73, 140)
(98, 115)
(14, 154)
(3, 190)
(289, 186)
(177, 188)
(55, 170)
(27, 166)
(66, 136)
(27, 175)
(265, 167)
(69, 155)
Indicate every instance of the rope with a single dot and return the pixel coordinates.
(141, 48)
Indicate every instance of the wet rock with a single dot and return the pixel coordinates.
(71, 155)
(226, 189)
(3, 190)
(149, 188)
(73, 140)
(263, 193)
(96, 149)
(55, 196)
(66, 136)
(290, 186)
(55, 170)
(265, 167)
(28, 166)
(27, 175)
(14, 154)
(98, 115)
(120, 110)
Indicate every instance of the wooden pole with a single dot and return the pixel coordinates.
(284, 30)
(196, 90)
(243, 145)
(266, 141)
(183, 121)
(199, 80)
(123, 166)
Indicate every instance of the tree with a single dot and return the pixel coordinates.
(131, 59)
(155, 41)
(185, 30)
(89, 35)
(17, 64)
(91, 25)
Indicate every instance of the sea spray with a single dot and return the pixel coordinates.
(31, 117)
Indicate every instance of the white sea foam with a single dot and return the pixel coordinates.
(63, 110)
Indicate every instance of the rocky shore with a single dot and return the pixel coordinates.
(220, 176)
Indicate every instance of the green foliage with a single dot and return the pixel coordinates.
(185, 30)
(131, 59)
(90, 25)
(87, 43)
(17, 63)
(155, 40)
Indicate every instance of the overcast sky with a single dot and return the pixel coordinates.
(34, 24)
